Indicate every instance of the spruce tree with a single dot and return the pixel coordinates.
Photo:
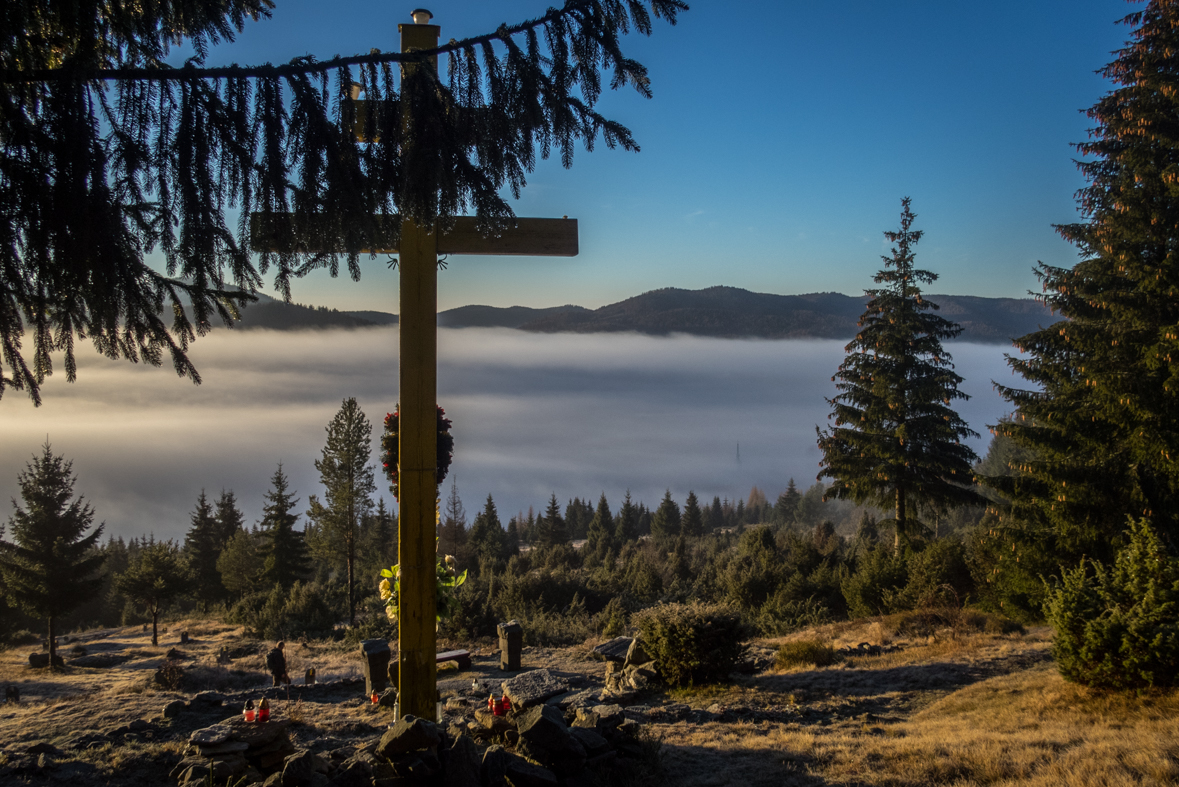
(349, 482)
(1101, 417)
(154, 579)
(229, 517)
(550, 526)
(282, 552)
(452, 530)
(626, 528)
(49, 567)
(108, 153)
(692, 521)
(665, 524)
(487, 539)
(896, 439)
(786, 509)
(240, 564)
(202, 547)
(716, 515)
(600, 532)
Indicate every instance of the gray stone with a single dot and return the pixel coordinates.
(374, 656)
(636, 654)
(494, 767)
(593, 743)
(229, 747)
(257, 734)
(615, 649)
(532, 688)
(586, 718)
(41, 660)
(489, 721)
(353, 774)
(387, 699)
(511, 643)
(174, 709)
(609, 716)
(211, 736)
(209, 699)
(544, 726)
(522, 773)
(297, 769)
(462, 764)
(409, 733)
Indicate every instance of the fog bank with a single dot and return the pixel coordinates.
(533, 414)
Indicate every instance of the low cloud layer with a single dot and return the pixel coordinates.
(533, 414)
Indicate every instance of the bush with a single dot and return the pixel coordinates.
(804, 652)
(692, 643)
(307, 609)
(878, 578)
(1119, 628)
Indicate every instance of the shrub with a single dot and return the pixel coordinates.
(1119, 628)
(878, 577)
(307, 609)
(937, 577)
(692, 643)
(804, 652)
(611, 621)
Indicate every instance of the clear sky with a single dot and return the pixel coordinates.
(779, 143)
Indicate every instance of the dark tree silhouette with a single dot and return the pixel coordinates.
(896, 439)
(49, 568)
(107, 153)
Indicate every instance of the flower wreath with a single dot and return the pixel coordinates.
(389, 448)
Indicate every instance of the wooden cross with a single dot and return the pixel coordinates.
(419, 248)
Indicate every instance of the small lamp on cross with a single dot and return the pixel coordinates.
(421, 16)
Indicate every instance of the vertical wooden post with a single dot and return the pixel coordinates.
(417, 447)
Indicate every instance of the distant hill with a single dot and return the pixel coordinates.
(725, 312)
(730, 312)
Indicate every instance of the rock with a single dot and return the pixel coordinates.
(636, 654)
(254, 733)
(544, 726)
(388, 698)
(494, 768)
(184, 765)
(209, 699)
(409, 733)
(175, 655)
(353, 774)
(609, 716)
(42, 748)
(41, 660)
(511, 642)
(489, 721)
(462, 764)
(586, 719)
(174, 709)
(273, 780)
(374, 655)
(586, 698)
(593, 743)
(221, 749)
(532, 688)
(211, 736)
(615, 649)
(502, 768)
(297, 769)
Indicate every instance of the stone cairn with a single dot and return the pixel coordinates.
(236, 749)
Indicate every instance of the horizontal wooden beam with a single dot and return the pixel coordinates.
(529, 238)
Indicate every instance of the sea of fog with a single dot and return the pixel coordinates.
(534, 414)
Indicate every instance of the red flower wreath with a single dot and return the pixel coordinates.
(389, 448)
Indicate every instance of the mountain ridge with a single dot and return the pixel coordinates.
(720, 312)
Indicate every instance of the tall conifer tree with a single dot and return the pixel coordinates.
(600, 532)
(627, 524)
(550, 526)
(50, 566)
(1102, 422)
(202, 547)
(692, 521)
(896, 439)
(349, 482)
(282, 551)
(665, 524)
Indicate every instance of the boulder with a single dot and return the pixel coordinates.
(615, 649)
(593, 743)
(374, 656)
(297, 769)
(41, 660)
(174, 709)
(636, 654)
(609, 716)
(387, 699)
(462, 764)
(544, 726)
(501, 768)
(221, 749)
(211, 736)
(208, 699)
(489, 721)
(532, 688)
(409, 733)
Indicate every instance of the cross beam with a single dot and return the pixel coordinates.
(418, 248)
(529, 237)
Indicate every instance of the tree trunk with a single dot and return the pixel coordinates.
(900, 521)
(155, 634)
(351, 567)
(52, 646)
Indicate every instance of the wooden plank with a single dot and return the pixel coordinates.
(529, 238)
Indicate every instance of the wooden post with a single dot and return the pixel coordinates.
(417, 447)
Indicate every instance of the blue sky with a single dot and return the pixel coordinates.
(779, 143)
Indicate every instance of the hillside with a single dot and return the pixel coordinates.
(730, 312)
(725, 312)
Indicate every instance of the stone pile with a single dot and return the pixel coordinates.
(626, 678)
(236, 749)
